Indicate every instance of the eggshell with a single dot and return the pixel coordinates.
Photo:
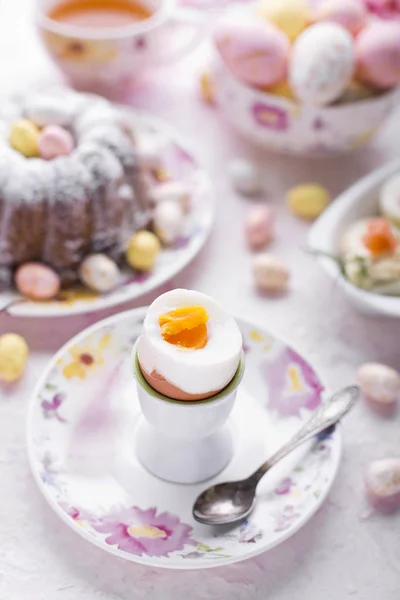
(378, 54)
(143, 250)
(322, 64)
(382, 482)
(37, 281)
(308, 200)
(244, 176)
(99, 273)
(256, 52)
(259, 227)
(379, 383)
(168, 222)
(351, 14)
(171, 191)
(290, 16)
(14, 354)
(270, 274)
(24, 137)
(389, 200)
(55, 141)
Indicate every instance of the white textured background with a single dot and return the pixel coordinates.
(340, 554)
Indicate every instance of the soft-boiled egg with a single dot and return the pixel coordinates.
(190, 347)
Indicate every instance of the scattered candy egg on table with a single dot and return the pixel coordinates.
(43, 111)
(270, 274)
(259, 227)
(322, 64)
(55, 141)
(168, 222)
(290, 16)
(382, 481)
(378, 54)
(172, 191)
(255, 51)
(24, 137)
(351, 14)
(389, 200)
(379, 383)
(143, 250)
(99, 273)
(244, 176)
(14, 354)
(308, 200)
(37, 281)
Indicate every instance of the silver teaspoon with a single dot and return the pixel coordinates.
(230, 502)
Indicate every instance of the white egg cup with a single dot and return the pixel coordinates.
(184, 441)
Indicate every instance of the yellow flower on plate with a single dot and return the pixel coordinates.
(146, 531)
(86, 357)
(73, 295)
(295, 381)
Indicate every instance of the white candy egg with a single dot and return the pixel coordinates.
(379, 382)
(244, 176)
(168, 222)
(270, 274)
(44, 110)
(322, 63)
(382, 481)
(99, 273)
(171, 191)
(151, 152)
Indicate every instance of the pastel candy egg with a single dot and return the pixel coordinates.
(290, 16)
(351, 14)
(45, 110)
(378, 54)
(151, 152)
(55, 141)
(143, 250)
(259, 227)
(14, 354)
(322, 64)
(308, 200)
(382, 482)
(37, 281)
(379, 383)
(256, 52)
(244, 176)
(270, 274)
(171, 191)
(168, 222)
(99, 273)
(24, 137)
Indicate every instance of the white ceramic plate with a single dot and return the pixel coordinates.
(80, 436)
(182, 164)
(361, 200)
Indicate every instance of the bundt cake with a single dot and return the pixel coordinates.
(60, 210)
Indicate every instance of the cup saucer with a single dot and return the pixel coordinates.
(81, 443)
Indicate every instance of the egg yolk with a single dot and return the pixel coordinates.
(379, 238)
(185, 327)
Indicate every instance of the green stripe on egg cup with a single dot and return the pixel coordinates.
(234, 383)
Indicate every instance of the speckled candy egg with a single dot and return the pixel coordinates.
(379, 382)
(378, 54)
(270, 274)
(55, 141)
(382, 481)
(14, 354)
(290, 16)
(24, 137)
(351, 14)
(143, 250)
(244, 176)
(308, 200)
(169, 222)
(259, 227)
(37, 281)
(99, 273)
(322, 64)
(256, 52)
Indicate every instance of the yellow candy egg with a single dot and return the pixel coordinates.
(24, 137)
(308, 200)
(14, 353)
(290, 16)
(143, 250)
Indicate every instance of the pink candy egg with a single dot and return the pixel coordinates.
(351, 14)
(55, 141)
(37, 281)
(255, 51)
(378, 54)
(259, 227)
(382, 481)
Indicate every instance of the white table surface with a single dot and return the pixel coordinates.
(340, 554)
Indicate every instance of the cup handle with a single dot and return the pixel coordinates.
(184, 18)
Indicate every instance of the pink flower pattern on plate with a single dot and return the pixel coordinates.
(269, 116)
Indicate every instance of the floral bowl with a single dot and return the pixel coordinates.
(281, 124)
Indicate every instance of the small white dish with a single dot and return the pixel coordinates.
(81, 434)
(359, 201)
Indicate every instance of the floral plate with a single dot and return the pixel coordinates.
(80, 434)
(182, 164)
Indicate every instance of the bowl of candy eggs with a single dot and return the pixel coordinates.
(309, 77)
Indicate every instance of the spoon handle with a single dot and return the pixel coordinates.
(328, 414)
